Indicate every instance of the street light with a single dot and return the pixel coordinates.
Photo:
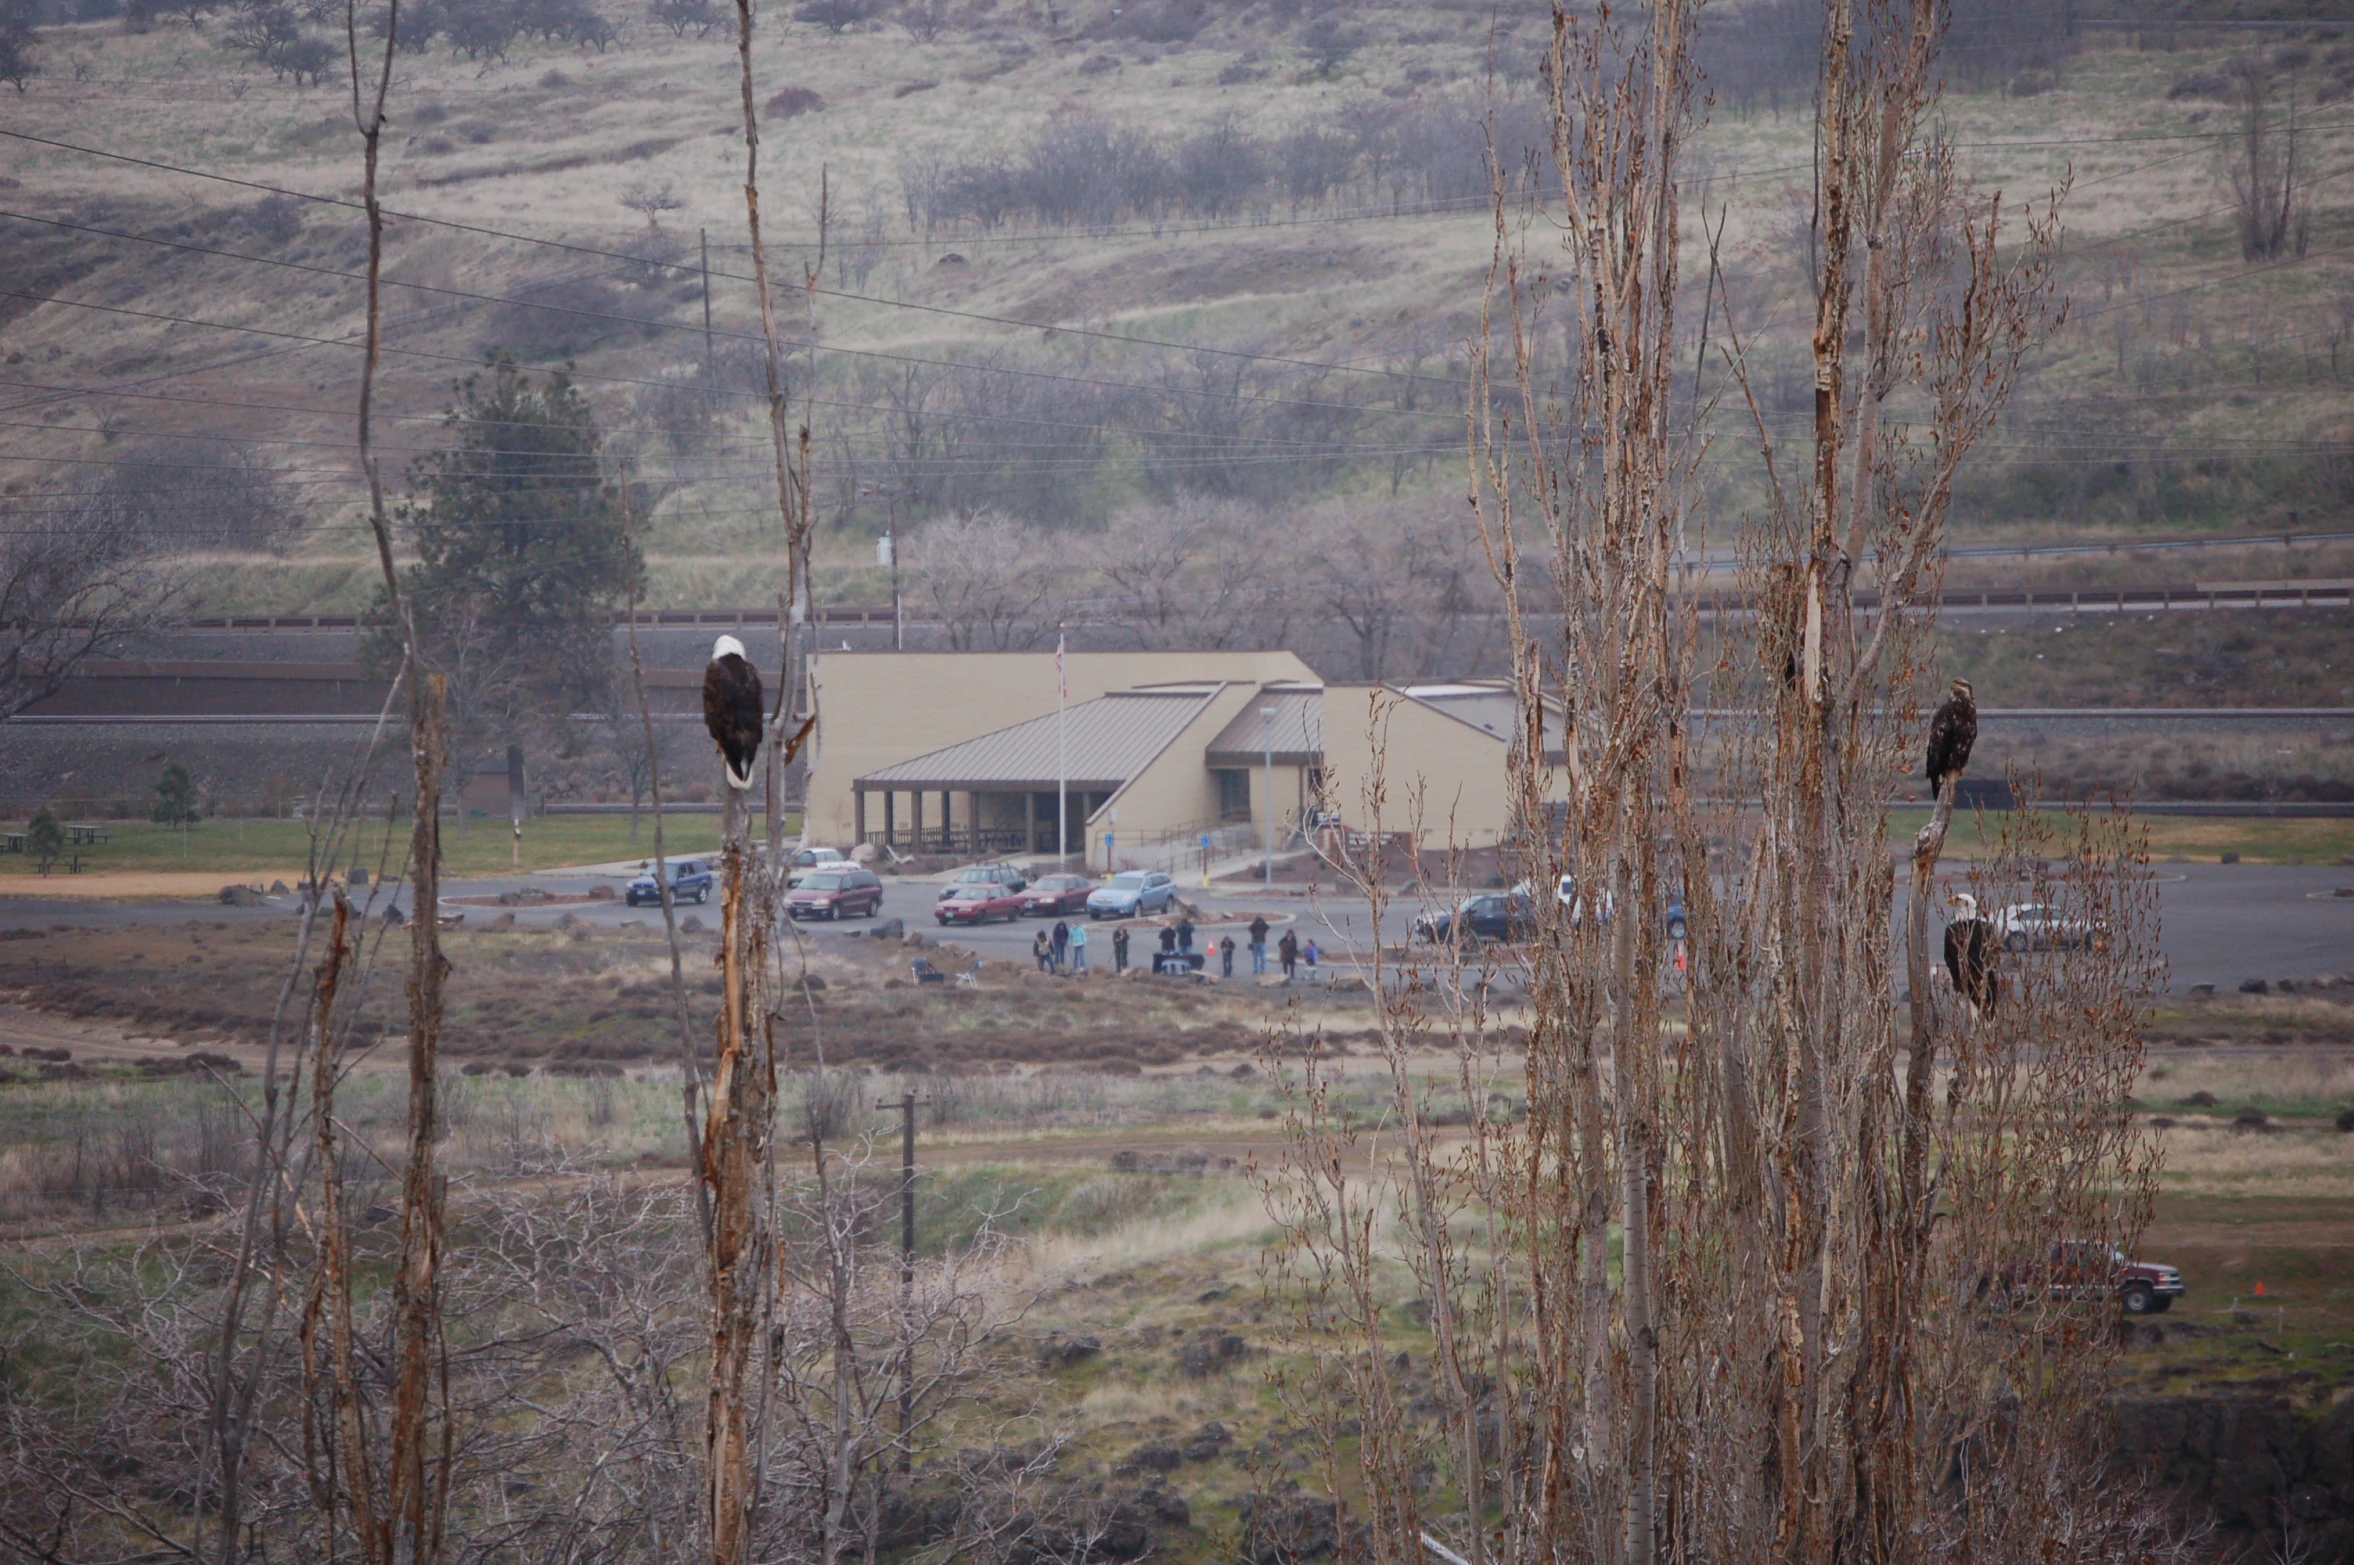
(1268, 713)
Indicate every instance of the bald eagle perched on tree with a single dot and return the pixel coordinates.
(731, 708)
(1971, 952)
(1951, 734)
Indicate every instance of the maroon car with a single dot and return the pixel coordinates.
(1053, 895)
(2093, 1269)
(836, 892)
(978, 902)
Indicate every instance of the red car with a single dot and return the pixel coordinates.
(836, 892)
(1053, 895)
(2093, 1269)
(978, 902)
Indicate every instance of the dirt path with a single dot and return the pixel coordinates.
(135, 884)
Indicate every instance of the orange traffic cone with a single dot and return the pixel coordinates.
(2259, 1290)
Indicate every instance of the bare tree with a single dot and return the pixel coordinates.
(1192, 573)
(1743, 1287)
(651, 201)
(991, 580)
(75, 578)
(2259, 165)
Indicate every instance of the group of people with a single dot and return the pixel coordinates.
(1063, 949)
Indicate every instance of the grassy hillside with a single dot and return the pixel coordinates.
(1303, 197)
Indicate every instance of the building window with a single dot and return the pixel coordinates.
(1234, 794)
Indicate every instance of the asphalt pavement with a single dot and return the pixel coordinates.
(2219, 924)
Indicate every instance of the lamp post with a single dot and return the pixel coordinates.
(1267, 713)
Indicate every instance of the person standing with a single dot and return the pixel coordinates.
(1062, 943)
(1078, 948)
(1289, 951)
(1041, 952)
(1226, 957)
(1120, 950)
(1184, 932)
(1259, 944)
(1311, 955)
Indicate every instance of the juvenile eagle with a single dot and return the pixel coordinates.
(1951, 733)
(1971, 952)
(731, 708)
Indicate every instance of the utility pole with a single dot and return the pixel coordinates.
(906, 1107)
(1268, 713)
(898, 615)
(710, 364)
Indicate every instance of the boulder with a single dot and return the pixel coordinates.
(241, 896)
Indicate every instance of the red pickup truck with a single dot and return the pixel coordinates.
(2093, 1268)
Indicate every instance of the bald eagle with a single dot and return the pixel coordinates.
(1971, 952)
(731, 708)
(1951, 734)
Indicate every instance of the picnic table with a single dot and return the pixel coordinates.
(12, 841)
(81, 833)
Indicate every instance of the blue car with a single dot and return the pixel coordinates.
(1135, 893)
(690, 881)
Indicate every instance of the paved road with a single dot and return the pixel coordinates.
(2221, 924)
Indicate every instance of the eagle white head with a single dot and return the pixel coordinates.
(1965, 904)
(726, 646)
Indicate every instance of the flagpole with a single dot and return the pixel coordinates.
(1062, 759)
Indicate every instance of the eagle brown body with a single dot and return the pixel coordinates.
(1952, 731)
(731, 708)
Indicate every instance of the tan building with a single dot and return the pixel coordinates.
(1162, 758)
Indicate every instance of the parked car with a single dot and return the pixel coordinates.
(690, 881)
(1566, 893)
(1053, 895)
(985, 875)
(810, 860)
(1133, 893)
(836, 891)
(2034, 926)
(2092, 1269)
(978, 902)
(1504, 916)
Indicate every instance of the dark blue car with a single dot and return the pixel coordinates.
(690, 881)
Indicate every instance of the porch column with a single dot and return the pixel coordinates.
(972, 801)
(947, 821)
(858, 811)
(890, 825)
(917, 796)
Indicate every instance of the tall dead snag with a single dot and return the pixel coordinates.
(409, 1527)
(1749, 1287)
(738, 1124)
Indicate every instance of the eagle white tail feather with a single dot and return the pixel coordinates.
(741, 782)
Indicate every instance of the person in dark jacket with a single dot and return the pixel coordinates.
(1041, 952)
(1062, 944)
(1226, 957)
(1289, 951)
(1120, 950)
(1259, 943)
(1184, 933)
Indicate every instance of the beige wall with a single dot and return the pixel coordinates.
(1445, 770)
(1176, 790)
(876, 709)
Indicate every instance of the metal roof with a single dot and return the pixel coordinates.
(1109, 740)
(1492, 709)
(1298, 729)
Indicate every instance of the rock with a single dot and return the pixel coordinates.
(1211, 1350)
(2345, 1121)
(864, 854)
(2251, 1119)
(503, 921)
(2228, 858)
(1207, 1442)
(240, 896)
(889, 929)
(907, 1521)
(2203, 991)
(690, 925)
(1157, 1458)
(1167, 1506)
(1061, 1352)
(568, 921)
(1283, 1530)
(2287, 986)
(600, 893)
(810, 983)
(359, 875)
(277, 888)
(2255, 986)
(1246, 1071)
(2201, 1099)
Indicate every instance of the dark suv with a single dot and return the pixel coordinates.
(1498, 916)
(690, 881)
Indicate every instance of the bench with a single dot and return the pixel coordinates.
(82, 833)
(926, 973)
